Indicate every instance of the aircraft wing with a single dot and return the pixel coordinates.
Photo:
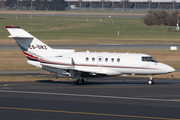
(100, 71)
(82, 70)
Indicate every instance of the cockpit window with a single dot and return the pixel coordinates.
(149, 59)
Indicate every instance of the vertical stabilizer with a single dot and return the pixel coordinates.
(31, 46)
(28, 43)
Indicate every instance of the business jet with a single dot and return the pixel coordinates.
(83, 65)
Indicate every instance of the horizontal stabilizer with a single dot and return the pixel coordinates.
(17, 32)
(12, 26)
(23, 37)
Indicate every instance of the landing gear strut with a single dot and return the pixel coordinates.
(80, 81)
(151, 81)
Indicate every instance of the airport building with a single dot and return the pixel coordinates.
(105, 4)
(123, 4)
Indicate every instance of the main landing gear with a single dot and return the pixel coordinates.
(151, 81)
(80, 81)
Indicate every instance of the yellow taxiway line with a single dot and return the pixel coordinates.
(87, 113)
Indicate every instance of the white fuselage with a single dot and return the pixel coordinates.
(107, 63)
(117, 63)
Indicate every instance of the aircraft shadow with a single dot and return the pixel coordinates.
(99, 82)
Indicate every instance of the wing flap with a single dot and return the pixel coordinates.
(98, 71)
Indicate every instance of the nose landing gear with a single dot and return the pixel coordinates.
(151, 81)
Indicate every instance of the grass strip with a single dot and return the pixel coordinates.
(89, 30)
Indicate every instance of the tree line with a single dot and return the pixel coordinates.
(161, 17)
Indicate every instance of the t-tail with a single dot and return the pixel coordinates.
(32, 47)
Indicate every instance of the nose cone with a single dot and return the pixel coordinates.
(169, 69)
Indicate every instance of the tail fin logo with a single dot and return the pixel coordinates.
(44, 47)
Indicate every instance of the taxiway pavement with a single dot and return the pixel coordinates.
(78, 15)
(113, 98)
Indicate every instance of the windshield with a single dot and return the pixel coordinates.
(149, 59)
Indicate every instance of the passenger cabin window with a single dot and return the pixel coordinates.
(149, 59)
(112, 60)
(106, 60)
(93, 59)
(87, 59)
(118, 60)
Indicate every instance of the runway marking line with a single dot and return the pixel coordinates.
(87, 113)
(159, 96)
(91, 96)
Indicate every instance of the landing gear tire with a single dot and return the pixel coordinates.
(150, 82)
(80, 81)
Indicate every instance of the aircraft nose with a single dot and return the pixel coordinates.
(169, 69)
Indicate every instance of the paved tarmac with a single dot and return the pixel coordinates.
(99, 99)
(88, 47)
(78, 15)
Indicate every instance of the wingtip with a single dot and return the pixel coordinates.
(12, 26)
